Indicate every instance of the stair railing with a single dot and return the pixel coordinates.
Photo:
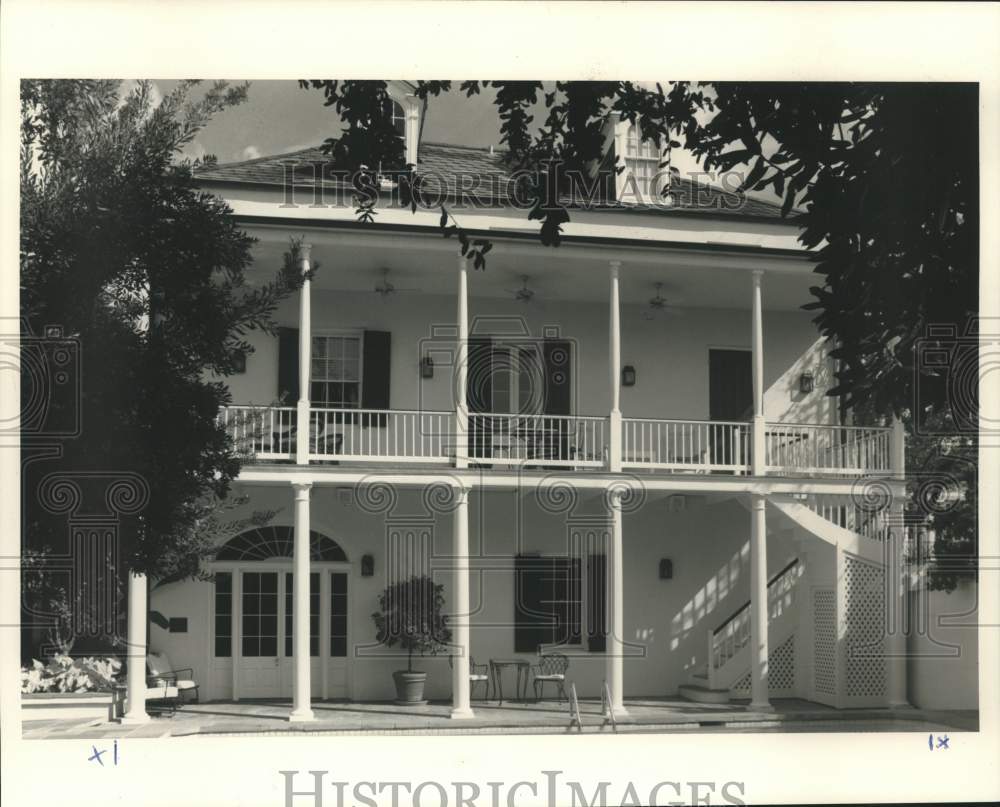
(733, 634)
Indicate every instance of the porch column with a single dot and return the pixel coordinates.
(614, 648)
(615, 363)
(462, 369)
(758, 605)
(301, 706)
(460, 703)
(757, 457)
(896, 579)
(305, 360)
(135, 705)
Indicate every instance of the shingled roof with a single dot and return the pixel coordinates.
(480, 173)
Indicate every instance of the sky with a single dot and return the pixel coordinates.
(279, 117)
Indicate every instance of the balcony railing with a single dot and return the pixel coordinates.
(378, 435)
(816, 449)
(570, 441)
(555, 440)
(685, 445)
(262, 432)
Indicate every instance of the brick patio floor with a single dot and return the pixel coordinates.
(645, 715)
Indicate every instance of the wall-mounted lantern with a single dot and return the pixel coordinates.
(427, 367)
(628, 376)
(666, 569)
(367, 565)
(806, 382)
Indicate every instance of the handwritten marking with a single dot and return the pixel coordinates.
(942, 742)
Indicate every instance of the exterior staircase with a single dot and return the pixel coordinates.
(838, 522)
(727, 671)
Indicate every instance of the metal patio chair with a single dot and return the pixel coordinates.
(550, 669)
(478, 674)
(160, 673)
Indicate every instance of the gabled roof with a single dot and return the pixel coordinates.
(483, 174)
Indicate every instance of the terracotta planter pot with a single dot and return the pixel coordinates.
(409, 687)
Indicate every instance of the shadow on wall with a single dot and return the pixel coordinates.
(696, 616)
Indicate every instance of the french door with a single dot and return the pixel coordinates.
(260, 673)
(265, 631)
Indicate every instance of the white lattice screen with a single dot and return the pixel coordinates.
(781, 671)
(864, 629)
(825, 641)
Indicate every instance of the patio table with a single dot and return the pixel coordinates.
(497, 666)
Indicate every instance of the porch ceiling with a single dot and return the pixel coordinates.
(703, 277)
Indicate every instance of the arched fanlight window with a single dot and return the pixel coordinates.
(266, 543)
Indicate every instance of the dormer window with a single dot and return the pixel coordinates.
(395, 110)
(642, 160)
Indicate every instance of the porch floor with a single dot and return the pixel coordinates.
(651, 715)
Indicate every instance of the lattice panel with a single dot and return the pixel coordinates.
(781, 669)
(864, 632)
(825, 641)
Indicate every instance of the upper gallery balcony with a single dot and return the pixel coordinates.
(500, 440)
(616, 355)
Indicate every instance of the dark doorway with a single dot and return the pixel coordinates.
(730, 397)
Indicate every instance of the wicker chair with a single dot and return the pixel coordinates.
(550, 669)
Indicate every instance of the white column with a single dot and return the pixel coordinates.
(135, 705)
(237, 629)
(305, 360)
(759, 698)
(462, 368)
(615, 363)
(896, 578)
(757, 458)
(897, 447)
(412, 130)
(614, 648)
(301, 706)
(461, 707)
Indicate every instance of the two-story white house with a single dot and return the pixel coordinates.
(620, 450)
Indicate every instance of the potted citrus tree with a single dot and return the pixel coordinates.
(411, 616)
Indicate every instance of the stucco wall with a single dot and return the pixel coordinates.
(670, 354)
(665, 621)
(943, 666)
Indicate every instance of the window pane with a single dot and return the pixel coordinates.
(338, 614)
(223, 614)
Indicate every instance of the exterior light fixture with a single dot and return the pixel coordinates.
(628, 376)
(666, 569)
(427, 367)
(367, 565)
(806, 382)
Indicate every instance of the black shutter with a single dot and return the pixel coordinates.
(376, 350)
(597, 603)
(479, 393)
(530, 628)
(288, 365)
(556, 359)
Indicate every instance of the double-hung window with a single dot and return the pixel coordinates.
(642, 159)
(558, 601)
(336, 371)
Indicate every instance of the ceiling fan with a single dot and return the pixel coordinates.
(523, 294)
(658, 304)
(385, 288)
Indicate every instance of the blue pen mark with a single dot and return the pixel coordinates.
(942, 742)
(116, 753)
(97, 755)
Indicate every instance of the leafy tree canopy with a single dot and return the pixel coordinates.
(147, 275)
(882, 180)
